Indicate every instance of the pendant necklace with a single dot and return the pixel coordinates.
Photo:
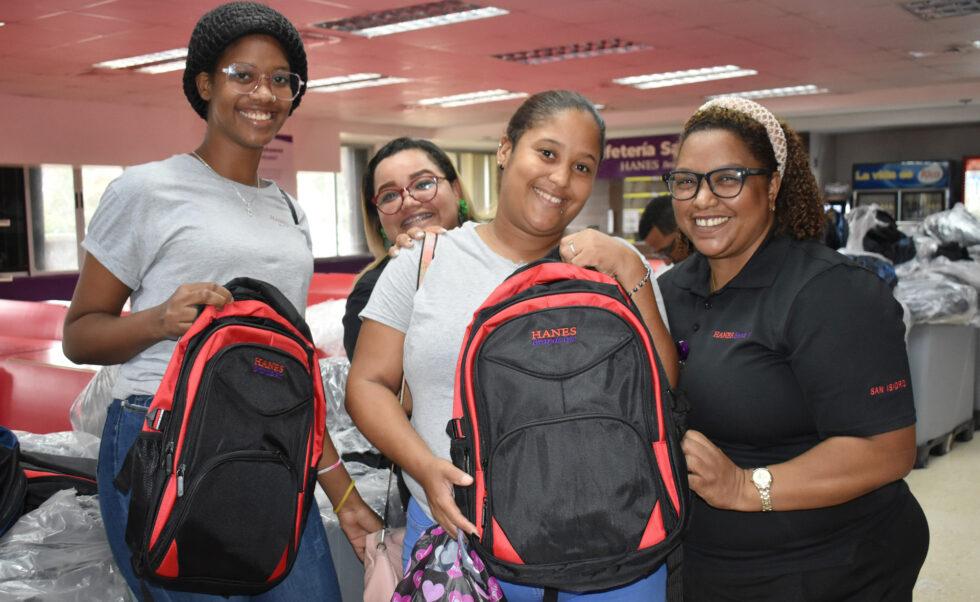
(248, 205)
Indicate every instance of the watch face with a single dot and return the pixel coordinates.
(761, 477)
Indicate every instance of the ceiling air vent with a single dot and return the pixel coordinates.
(552, 54)
(927, 10)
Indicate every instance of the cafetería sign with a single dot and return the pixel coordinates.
(643, 156)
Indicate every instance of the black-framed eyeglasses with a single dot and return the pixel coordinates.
(246, 79)
(423, 189)
(724, 183)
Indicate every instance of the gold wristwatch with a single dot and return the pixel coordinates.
(762, 479)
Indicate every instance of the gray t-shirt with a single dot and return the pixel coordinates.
(434, 319)
(173, 222)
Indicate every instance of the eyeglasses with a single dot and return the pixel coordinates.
(423, 189)
(246, 79)
(724, 183)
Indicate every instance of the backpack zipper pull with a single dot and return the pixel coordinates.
(180, 480)
(168, 462)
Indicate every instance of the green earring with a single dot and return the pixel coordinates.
(384, 237)
(464, 212)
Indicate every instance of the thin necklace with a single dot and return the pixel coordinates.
(248, 205)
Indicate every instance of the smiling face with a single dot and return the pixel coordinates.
(724, 229)
(248, 120)
(548, 174)
(397, 172)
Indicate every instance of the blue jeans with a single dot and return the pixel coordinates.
(652, 588)
(312, 576)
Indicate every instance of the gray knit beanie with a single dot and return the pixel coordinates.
(219, 28)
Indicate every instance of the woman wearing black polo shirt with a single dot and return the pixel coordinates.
(801, 406)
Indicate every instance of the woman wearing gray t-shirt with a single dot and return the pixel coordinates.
(548, 159)
(166, 233)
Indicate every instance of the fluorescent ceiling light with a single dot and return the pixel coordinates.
(341, 79)
(473, 101)
(680, 78)
(470, 15)
(144, 59)
(461, 97)
(776, 92)
(163, 67)
(471, 98)
(411, 18)
(976, 44)
(356, 84)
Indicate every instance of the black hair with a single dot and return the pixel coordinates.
(543, 105)
(660, 213)
(220, 27)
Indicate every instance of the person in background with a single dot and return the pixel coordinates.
(410, 185)
(547, 161)
(802, 423)
(658, 230)
(167, 233)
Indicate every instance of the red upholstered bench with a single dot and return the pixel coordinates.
(31, 319)
(327, 286)
(36, 397)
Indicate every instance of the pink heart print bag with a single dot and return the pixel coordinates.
(443, 569)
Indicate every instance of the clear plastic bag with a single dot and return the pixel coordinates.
(954, 226)
(372, 483)
(75, 444)
(345, 436)
(859, 221)
(59, 552)
(327, 327)
(88, 411)
(932, 297)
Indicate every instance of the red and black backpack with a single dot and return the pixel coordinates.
(223, 472)
(564, 417)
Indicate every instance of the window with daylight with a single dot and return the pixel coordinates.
(331, 202)
(53, 209)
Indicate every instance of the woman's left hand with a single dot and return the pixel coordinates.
(591, 248)
(406, 240)
(712, 475)
(357, 520)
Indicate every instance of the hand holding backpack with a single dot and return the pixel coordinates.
(224, 470)
(564, 418)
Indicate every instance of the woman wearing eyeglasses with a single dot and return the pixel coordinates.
(802, 419)
(166, 234)
(410, 185)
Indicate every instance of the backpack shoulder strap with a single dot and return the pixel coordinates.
(425, 259)
(289, 203)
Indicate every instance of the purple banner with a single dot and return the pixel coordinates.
(643, 156)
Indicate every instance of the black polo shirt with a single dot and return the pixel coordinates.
(800, 346)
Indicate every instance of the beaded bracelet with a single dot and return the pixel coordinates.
(642, 282)
(328, 468)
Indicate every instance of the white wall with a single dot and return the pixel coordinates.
(36, 130)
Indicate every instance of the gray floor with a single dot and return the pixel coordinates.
(949, 492)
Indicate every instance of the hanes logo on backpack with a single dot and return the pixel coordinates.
(268, 368)
(554, 336)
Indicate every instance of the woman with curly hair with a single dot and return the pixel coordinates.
(802, 418)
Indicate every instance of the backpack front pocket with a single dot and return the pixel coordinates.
(556, 497)
(212, 534)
